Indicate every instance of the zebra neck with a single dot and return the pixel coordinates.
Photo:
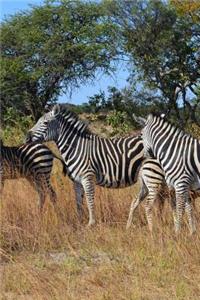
(70, 137)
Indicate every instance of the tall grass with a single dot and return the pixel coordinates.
(54, 256)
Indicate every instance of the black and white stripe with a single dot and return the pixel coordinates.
(90, 159)
(33, 161)
(153, 187)
(151, 180)
(179, 156)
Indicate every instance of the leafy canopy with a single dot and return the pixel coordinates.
(164, 47)
(52, 47)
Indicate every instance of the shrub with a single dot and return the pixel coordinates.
(15, 126)
(194, 130)
(119, 122)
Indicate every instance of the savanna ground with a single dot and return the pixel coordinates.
(53, 256)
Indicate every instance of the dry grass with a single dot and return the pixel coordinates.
(55, 257)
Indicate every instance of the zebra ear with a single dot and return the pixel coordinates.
(56, 109)
(48, 108)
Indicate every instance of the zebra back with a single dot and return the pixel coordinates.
(26, 160)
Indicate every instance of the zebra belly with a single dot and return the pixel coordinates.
(102, 181)
(74, 176)
(105, 181)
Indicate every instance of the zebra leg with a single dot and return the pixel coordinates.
(180, 207)
(134, 204)
(1, 185)
(161, 193)
(190, 215)
(44, 182)
(41, 193)
(88, 185)
(41, 199)
(52, 194)
(172, 201)
(153, 192)
(79, 193)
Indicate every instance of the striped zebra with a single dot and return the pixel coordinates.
(179, 156)
(33, 161)
(89, 158)
(152, 187)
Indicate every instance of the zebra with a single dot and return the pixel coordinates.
(89, 158)
(152, 187)
(179, 156)
(33, 161)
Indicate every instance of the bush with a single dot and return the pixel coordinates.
(194, 130)
(15, 126)
(119, 122)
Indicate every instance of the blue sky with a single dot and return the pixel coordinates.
(79, 95)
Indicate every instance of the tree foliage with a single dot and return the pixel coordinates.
(164, 47)
(55, 46)
(63, 44)
(190, 8)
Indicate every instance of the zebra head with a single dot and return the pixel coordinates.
(46, 128)
(153, 123)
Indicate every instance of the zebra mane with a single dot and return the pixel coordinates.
(72, 117)
(163, 119)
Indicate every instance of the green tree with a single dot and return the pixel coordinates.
(190, 8)
(51, 48)
(164, 48)
(97, 102)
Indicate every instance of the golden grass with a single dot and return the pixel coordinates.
(53, 256)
